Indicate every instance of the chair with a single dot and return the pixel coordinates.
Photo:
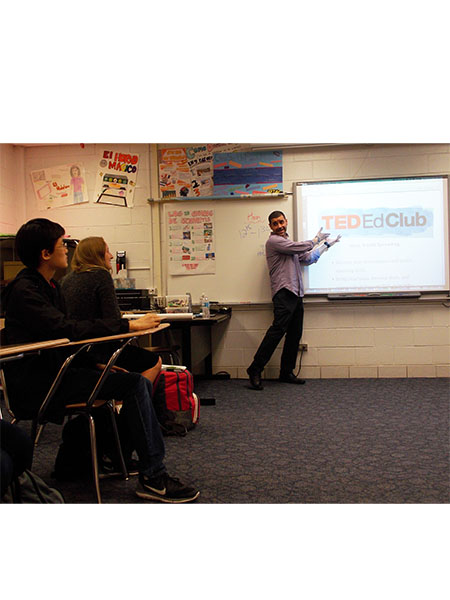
(84, 408)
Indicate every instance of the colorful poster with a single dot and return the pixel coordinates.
(248, 173)
(174, 173)
(116, 178)
(190, 235)
(186, 172)
(63, 185)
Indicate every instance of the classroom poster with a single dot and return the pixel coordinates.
(62, 185)
(186, 172)
(191, 243)
(116, 178)
(248, 173)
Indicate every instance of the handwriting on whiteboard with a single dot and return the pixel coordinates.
(255, 229)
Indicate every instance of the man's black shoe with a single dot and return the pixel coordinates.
(255, 379)
(291, 378)
(165, 489)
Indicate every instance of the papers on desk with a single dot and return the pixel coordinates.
(162, 316)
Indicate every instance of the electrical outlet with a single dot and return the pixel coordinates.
(152, 291)
(303, 347)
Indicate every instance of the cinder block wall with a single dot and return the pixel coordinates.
(388, 339)
(122, 228)
(358, 340)
(12, 193)
(392, 339)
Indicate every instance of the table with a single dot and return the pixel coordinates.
(15, 351)
(120, 336)
(185, 326)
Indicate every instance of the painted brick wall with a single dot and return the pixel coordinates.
(358, 340)
(123, 228)
(388, 340)
(12, 195)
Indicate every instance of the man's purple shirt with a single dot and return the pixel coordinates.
(284, 259)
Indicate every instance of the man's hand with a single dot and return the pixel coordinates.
(319, 237)
(330, 243)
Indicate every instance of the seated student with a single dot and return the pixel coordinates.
(35, 311)
(89, 294)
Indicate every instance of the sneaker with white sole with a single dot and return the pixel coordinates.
(165, 489)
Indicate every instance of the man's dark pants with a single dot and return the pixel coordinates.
(288, 320)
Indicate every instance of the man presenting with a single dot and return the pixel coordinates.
(284, 259)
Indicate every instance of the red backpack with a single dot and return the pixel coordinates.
(177, 406)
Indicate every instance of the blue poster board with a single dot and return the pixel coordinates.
(248, 173)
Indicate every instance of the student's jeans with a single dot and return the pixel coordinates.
(288, 320)
(135, 391)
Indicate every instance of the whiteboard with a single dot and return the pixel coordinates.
(241, 230)
(394, 234)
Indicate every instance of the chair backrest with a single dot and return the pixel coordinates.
(41, 417)
(106, 371)
(56, 383)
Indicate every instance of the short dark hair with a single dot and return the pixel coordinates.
(33, 237)
(275, 214)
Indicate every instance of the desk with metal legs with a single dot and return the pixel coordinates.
(185, 327)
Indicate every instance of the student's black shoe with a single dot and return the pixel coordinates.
(165, 489)
(255, 379)
(291, 378)
(108, 468)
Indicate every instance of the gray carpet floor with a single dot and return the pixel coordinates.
(329, 441)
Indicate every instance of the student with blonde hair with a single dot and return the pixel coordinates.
(89, 293)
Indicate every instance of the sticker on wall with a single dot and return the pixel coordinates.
(62, 185)
(116, 178)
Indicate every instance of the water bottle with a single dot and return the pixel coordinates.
(205, 306)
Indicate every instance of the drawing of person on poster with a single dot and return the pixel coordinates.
(77, 184)
(60, 185)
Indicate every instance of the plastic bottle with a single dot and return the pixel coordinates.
(205, 306)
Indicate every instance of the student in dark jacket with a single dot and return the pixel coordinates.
(89, 293)
(35, 311)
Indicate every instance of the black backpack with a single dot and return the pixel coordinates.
(74, 460)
